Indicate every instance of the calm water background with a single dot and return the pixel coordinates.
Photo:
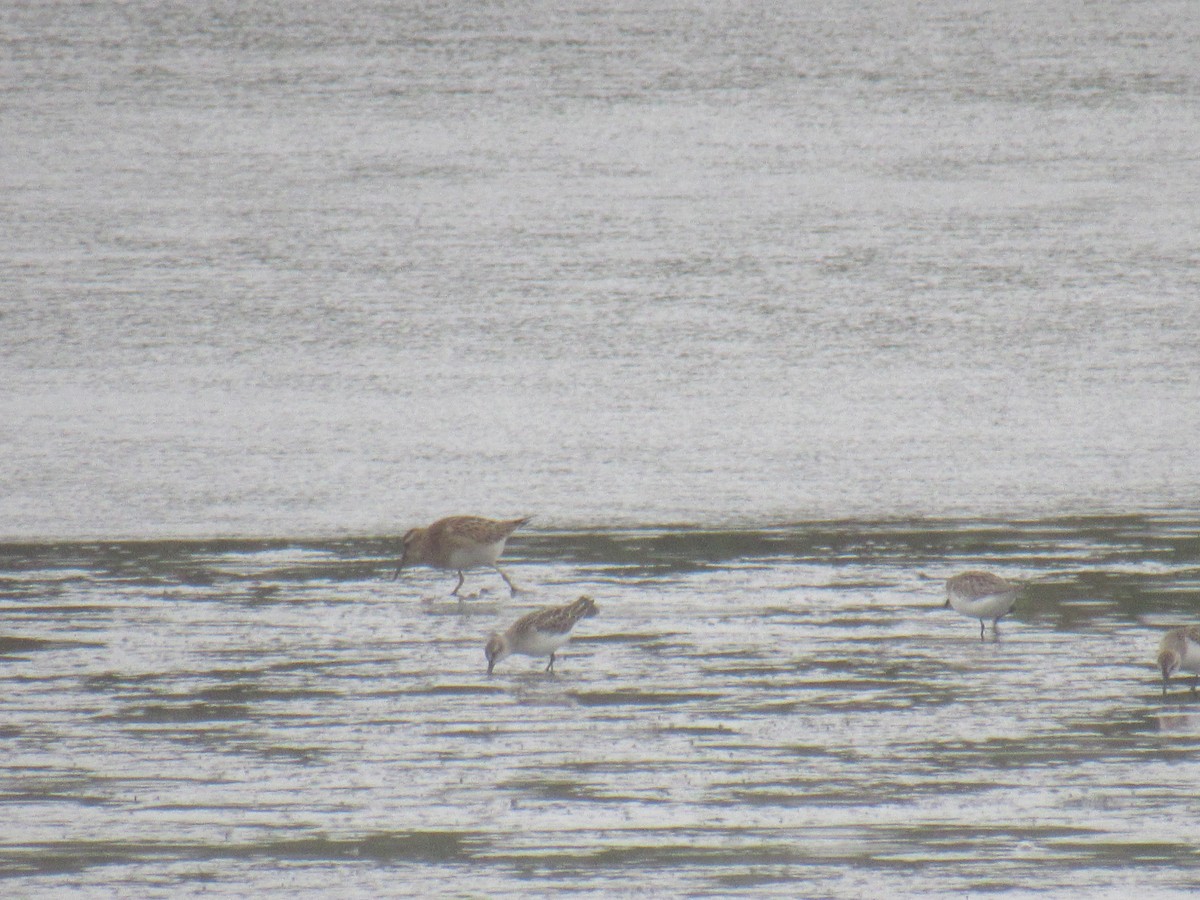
(288, 268)
(920, 278)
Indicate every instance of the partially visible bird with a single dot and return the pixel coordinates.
(981, 595)
(457, 543)
(1180, 650)
(539, 633)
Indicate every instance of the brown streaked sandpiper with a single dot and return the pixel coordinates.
(457, 543)
(981, 595)
(1180, 651)
(539, 633)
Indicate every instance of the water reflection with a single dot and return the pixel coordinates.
(1179, 722)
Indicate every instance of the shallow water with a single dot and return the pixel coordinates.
(781, 711)
(283, 279)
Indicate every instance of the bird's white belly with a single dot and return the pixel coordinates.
(540, 643)
(1191, 658)
(480, 555)
(988, 606)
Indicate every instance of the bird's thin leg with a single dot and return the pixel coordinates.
(461, 579)
(512, 588)
(550, 666)
(981, 625)
(397, 575)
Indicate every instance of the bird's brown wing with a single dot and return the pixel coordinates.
(460, 530)
(556, 619)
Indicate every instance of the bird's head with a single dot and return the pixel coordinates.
(1168, 664)
(495, 650)
(409, 543)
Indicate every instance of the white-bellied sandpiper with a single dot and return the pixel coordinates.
(539, 633)
(457, 543)
(982, 596)
(1180, 651)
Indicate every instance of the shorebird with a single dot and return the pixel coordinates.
(457, 543)
(1180, 649)
(539, 632)
(981, 595)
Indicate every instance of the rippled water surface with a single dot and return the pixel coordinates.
(784, 711)
(280, 280)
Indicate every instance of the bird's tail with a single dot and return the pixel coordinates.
(582, 608)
